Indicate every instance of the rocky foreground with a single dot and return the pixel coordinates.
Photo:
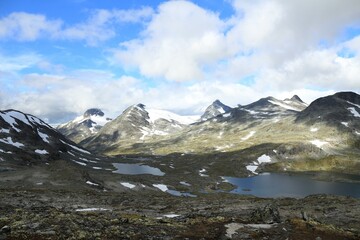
(91, 214)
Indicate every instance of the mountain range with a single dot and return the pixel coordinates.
(294, 135)
(26, 140)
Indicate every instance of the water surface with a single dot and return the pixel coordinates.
(282, 185)
(135, 169)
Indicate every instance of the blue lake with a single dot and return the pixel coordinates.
(135, 169)
(281, 185)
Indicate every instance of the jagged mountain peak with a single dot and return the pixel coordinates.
(85, 125)
(215, 109)
(294, 98)
(341, 109)
(137, 122)
(272, 106)
(348, 96)
(26, 139)
(217, 102)
(93, 112)
(139, 106)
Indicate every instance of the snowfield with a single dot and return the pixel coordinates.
(318, 143)
(9, 141)
(155, 114)
(162, 187)
(38, 151)
(128, 185)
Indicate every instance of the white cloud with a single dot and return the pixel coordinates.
(19, 62)
(27, 27)
(277, 44)
(99, 27)
(179, 41)
(133, 15)
(262, 37)
(56, 97)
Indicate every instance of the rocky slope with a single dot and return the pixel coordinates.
(53, 189)
(27, 140)
(341, 109)
(215, 109)
(84, 126)
(137, 124)
(296, 139)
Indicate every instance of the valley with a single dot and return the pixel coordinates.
(153, 174)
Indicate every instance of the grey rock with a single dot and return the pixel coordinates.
(268, 214)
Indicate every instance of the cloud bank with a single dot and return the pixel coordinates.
(194, 56)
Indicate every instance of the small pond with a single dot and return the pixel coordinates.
(135, 169)
(281, 185)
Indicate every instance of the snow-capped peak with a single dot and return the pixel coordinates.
(12, 116)
(295, 103)
(155, 114)
(95, 115)
(88, 123)
(94, 112)
(283, 104)
(216, 108)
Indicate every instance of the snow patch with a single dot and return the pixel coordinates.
(221, 134)
(283, 105)
(224, 180)
(38, 151)
(248, 136)
(354, 112)
(9, 141)
(74, 147)
(20, 116)
(91, 209)
(252, 112)
(346, 124)
(356, 105)
(80, 163)
(232, 228)
(162, 187)
(155, 114)
(128, 185)
(264, 159)
(185, 183)
(201, 173)
(318, 143)
(44, 136)
(314, 129)
(227, 114)
(3, 130)
(10, 120)
(8, 152)
(171, 215)
(92, 183)
(221, 148)
(252, 168)
(255, 164)
(87, 160)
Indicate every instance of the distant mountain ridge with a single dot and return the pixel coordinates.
(27, 140)
(84, 126)
(215, 109)
(138, 123)
(341, 109)
(289, 133)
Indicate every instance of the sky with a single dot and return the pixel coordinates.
(59, 58)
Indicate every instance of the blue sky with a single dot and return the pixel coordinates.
(58, 58)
